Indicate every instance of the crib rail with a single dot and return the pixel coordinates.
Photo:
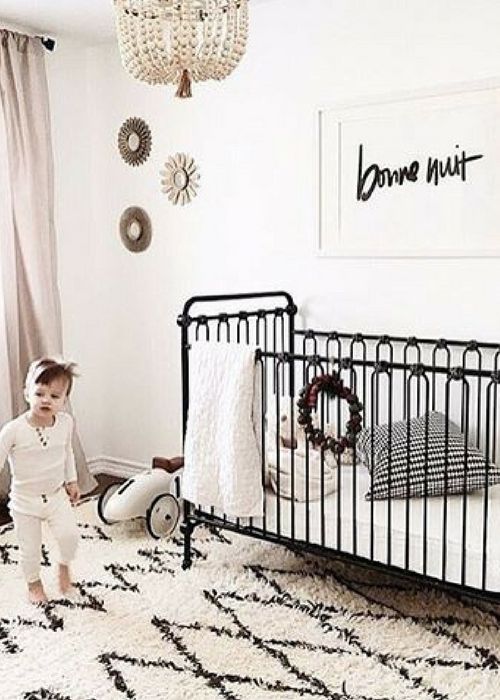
(397, 379)
(278, 335)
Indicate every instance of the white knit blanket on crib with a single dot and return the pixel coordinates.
(222, 459)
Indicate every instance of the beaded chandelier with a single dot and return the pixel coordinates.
(180, 41)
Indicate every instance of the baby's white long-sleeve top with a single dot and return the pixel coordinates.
(40, 460)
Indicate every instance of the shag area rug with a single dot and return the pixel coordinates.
(249, 620)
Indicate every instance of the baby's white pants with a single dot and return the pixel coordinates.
(55, 510)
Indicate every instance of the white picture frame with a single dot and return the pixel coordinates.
(414, 175)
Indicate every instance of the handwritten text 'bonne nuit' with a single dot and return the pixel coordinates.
(437, 169)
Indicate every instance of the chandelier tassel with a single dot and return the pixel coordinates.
(184, 87)
(181, 41)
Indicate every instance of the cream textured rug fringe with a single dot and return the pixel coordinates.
(249, 620)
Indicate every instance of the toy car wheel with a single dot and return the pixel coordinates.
(103, 499)
(162, 516)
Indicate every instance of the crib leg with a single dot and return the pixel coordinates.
(187, 528)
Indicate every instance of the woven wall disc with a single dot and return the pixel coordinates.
(180, 179)
(134, 141)
(135, 229)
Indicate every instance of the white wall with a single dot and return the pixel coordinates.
(252, 226)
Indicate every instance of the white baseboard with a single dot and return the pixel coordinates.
(116, 467)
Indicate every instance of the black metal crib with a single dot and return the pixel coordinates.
(401, 383)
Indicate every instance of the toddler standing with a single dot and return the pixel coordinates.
(38, 446)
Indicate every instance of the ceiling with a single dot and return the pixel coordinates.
(90, 21)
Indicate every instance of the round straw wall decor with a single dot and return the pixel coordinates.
(180, 179)
(134, 141)
(135, 229)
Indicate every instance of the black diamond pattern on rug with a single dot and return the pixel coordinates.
(248, 620)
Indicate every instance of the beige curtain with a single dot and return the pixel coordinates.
(5, 393)
(31, 308)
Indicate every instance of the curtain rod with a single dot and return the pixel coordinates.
(48, 42)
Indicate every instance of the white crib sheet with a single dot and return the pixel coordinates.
(435, 507)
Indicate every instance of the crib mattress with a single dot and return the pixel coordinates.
(340, 535)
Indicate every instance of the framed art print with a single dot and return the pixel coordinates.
(410, 177)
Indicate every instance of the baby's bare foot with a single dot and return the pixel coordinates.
(65, 582)
(36, 593)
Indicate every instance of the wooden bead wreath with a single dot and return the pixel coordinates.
(332, 385)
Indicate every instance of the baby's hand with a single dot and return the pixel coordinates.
(73, 492)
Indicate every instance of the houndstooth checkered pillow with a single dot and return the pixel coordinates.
(407, 468)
